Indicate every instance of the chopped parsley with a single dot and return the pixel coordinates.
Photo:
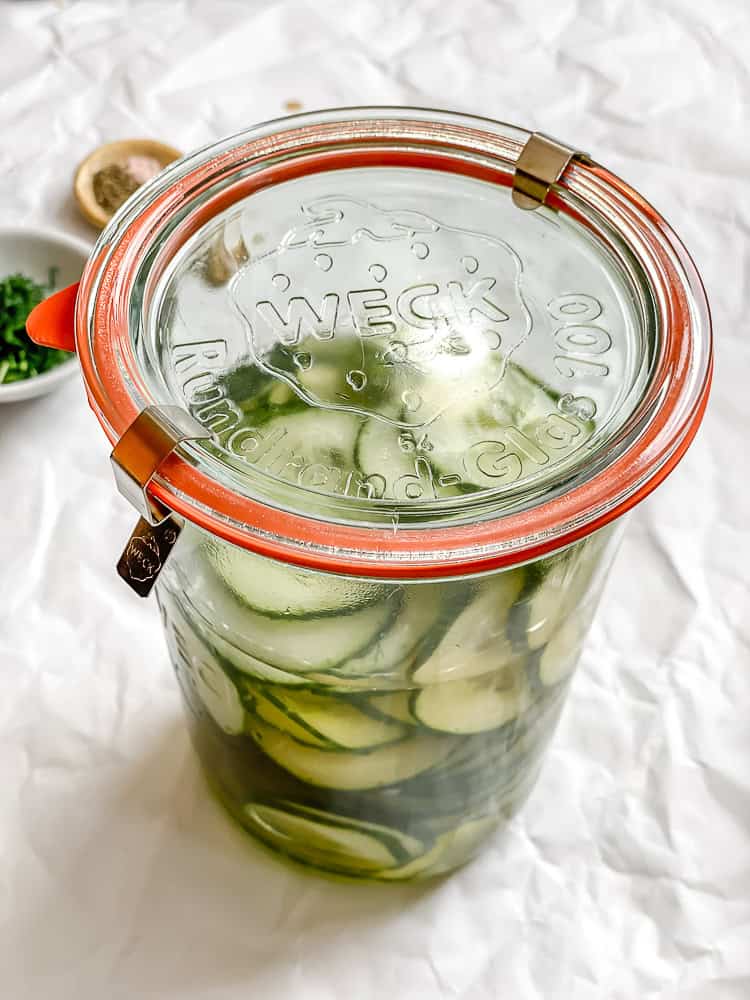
(20, 357)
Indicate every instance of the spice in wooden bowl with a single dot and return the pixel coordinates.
(113, 172)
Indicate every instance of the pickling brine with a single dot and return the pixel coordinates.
(374, 729)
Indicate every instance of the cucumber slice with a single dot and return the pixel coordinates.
(277, 589)
(215, 690)
(256, 700)
(329, 840)
(517, 401)
(562, 607)
(560, 655)
(258, 396)
(220, 696)
(384, 765)
(538, 722)
(553, 601)
(234, 658)
(449, 850)
(383, 449)
(416, 868)
(458, 417)
(458, 789)
(345, 371)
(473, 705)
(392, 650)
(401, 845)
(332, 721)
(476, 642)
(459, 845)
(392, 705)
(571, 580)
(322, 381)
(299, 645)
(326, 437)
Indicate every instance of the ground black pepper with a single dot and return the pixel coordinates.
(112, 185)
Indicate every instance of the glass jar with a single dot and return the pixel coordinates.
(424, 364)
(374, 728)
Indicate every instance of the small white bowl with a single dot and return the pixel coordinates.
(33, 252)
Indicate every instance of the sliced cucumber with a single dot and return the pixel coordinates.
(459, 845)
(476, 642)
(392, 649)
(298, 645)
(255, 698)
(449, 850)
(334, 722)
(343, 371)
(248, 387)
(324, 437)
(215, 690)
(324, 838)
(322, 381)
(258, 396)
(416, 868)
(472, 705)
(384, 765)
(278, 589)
(538, 722)
(569, 582)
(237, 659)
(392, 705)
(556, 599)
(561, 609)
(220, 696)
(517, 402)
(546, 606)
(386, 450)
(401, 845)
(470, 783)
(560, 655)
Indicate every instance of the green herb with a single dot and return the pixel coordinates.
(20, 357)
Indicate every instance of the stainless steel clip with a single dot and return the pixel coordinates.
(136, 458)
(540, 165)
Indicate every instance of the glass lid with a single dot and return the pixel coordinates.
(401, 369)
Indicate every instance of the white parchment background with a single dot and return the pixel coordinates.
(628, 874)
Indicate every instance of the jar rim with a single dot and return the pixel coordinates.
(670, 411)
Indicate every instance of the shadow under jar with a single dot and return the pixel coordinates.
(422, 364)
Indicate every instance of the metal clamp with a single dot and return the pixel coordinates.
(540, 165)
(153, 435)
(136, 457)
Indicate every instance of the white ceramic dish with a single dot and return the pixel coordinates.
(33, 252)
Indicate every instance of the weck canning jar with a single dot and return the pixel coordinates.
(396, 376)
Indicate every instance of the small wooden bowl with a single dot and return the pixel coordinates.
(104, 156)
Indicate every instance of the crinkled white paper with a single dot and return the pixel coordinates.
(628, 874)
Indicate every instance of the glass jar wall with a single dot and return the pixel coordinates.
(369, 728)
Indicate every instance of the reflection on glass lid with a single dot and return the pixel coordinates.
(393, 339)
